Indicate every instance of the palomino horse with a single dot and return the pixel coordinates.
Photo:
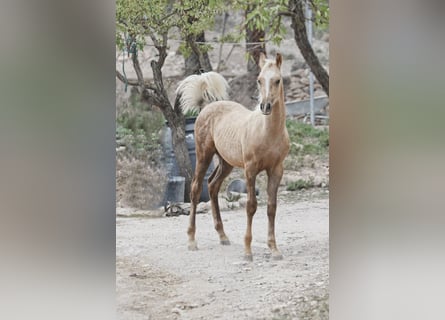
(253, 140)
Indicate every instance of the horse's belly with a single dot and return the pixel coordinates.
(229, 121)
(231, 152)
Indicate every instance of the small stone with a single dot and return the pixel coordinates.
(318, 181)
(176, 310)
(304, 81)
(242, 202)
(300, 73)
(276, 309)
(203, 206)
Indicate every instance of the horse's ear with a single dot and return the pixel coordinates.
(278, 60)
(262, 60)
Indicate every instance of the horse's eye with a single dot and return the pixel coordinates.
(258, 81)
(277, 82)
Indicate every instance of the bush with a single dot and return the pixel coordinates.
(137, 130)
(306, 139)
(138, 184)
(140, 177)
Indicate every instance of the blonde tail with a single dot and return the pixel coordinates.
(196, 91)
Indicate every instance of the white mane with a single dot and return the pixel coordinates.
(196, 91)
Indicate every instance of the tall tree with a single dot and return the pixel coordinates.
(266, 15)
(138, 20)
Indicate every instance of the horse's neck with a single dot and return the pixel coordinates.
(276, 121)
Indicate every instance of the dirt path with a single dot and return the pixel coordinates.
(158, 278)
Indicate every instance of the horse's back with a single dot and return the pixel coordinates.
(224, 114)
(224, 109)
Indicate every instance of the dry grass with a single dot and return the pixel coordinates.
(138, 185)
(140, 177)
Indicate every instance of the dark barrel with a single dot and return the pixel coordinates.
(170, 159)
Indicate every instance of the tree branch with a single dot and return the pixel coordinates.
(130, 82)
(134, 82)
(137, 68)
(286, 13)
(160, 46)
(300, 35)
(163, 50)
(192, 43)
(160, 89)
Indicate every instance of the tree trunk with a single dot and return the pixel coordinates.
(177, 125)
(153, 92)
(300, 35)
(254, 45)
(197, 61)
(176, 121)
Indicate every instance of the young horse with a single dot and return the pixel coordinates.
(253, 140)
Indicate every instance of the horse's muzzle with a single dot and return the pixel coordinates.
(266, 108)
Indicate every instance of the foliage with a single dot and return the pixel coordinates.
(156, 18)
(191, 113)
(306, 139)
(140, 175)
(321, 16)
(300, 184)
(267, 16)
(137, 129)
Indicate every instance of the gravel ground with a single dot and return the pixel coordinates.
(158, 278)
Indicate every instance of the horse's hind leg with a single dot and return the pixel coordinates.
(202, 163)
(215, 180)
(274, 178)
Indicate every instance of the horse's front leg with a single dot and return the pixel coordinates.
(250, 210)
(274, 178)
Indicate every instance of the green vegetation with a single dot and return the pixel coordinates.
(137, 129)
(306, 139)
(300, 184)
(191, 114)
(267, 15)
(188, 18)
(140, 176)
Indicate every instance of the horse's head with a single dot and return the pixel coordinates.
(269, 82)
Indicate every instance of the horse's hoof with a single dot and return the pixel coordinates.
(277, 256)
(225, 242)
(193, 246)
(248, 257)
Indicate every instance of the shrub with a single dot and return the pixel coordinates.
(138, 184)
(306, 139)
(140, 177)
(300, 184)
(137, 129)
